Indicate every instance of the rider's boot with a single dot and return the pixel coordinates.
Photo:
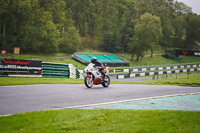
(103, 77)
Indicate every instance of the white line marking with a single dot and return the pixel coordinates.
(122, 101)
(6, 115)
(106, 103)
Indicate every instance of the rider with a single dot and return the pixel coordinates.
(98, 64)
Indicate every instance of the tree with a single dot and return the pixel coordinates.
(38, 33)
(192, 31)
(147, 33)
(126, 22)
(8, 25)
(179, 28)
(181, 8)
(71, 40)
(118, 25)
(135, 48)
(79, 14)
(57, 9)
(111, 42)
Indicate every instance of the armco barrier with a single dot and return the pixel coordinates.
(55, 70)
(142, 69)
(122, 76)
(159, 68)
(155, 68)
(149, 71)
(58, 70)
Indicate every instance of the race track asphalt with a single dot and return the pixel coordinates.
(28, 98)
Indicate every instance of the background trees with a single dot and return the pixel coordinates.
(146, 36)
(29, 27)
(45, 26)
(192, 31)
(70, 40)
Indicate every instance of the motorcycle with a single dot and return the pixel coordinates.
(94, 77)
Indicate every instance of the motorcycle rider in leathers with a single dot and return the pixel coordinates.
(98, 64)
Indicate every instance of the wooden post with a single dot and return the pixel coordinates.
(188, 75)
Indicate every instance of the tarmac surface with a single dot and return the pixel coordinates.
(28, 98)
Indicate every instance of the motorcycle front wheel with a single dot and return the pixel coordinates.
(106, 82)
(88, 82)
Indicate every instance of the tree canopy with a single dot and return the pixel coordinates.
(147, 33)
(46, 26)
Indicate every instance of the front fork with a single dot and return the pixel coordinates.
(91, 77)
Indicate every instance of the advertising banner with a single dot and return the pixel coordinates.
(18, 66)
(188, 52)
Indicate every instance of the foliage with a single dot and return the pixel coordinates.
(146, 36)
(190, 79)
(71, 41)
(192, 31)
(32, 28)
(111, 42)
(41, 26)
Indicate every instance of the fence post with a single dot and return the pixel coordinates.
(188, 75)
(153, 77)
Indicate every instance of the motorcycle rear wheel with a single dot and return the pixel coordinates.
(88, 82)
(106, 82)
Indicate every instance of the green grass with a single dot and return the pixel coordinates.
(102, 121)
(7, 81)
(160, 60)
(35, 56)
(193, 80)
(184, 80)
(155, 60)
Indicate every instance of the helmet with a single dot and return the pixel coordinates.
(94, 60)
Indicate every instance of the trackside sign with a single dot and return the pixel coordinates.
(188, 52)
(17, 66)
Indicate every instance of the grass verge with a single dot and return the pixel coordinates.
(101, 121)
(160, 60)
(192, 79)
(7, 81)
(155, 60)
(184, 80)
